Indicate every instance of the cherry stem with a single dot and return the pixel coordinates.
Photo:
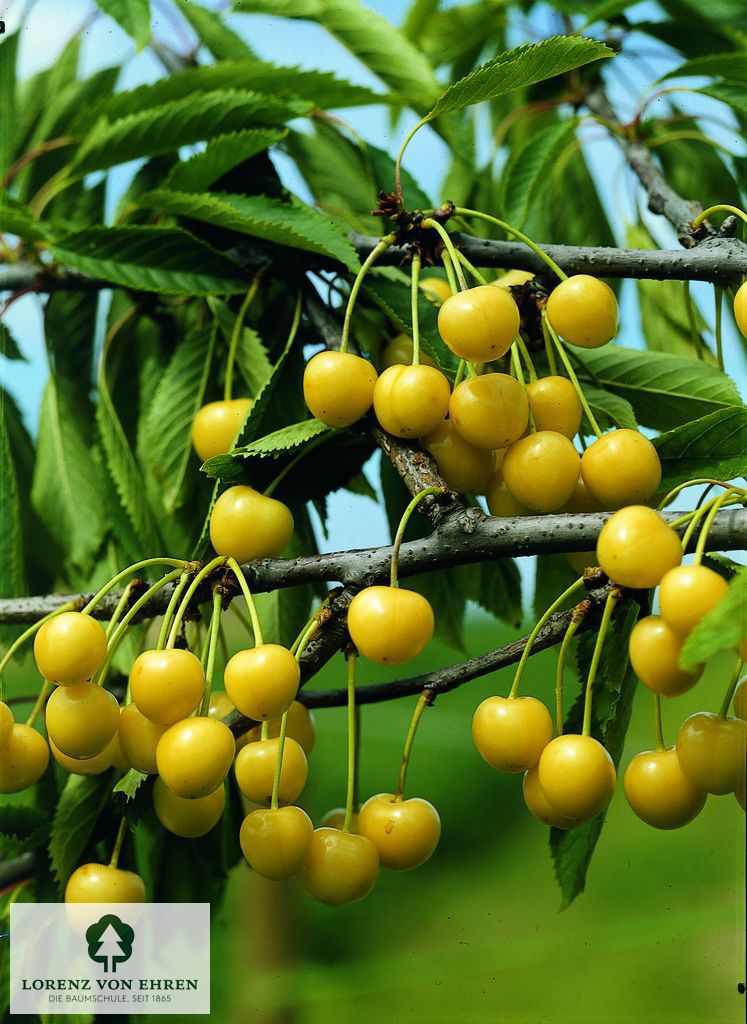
(251, 607)
(352, 744)
(235, 335)
(579, 614)
(520, 343)
(690, 483)
(715, 505)
(428, 222)
(610, 604)
(724, 710)
(275, 798)
(462, 212)
(449, 268)
(568, 592)
(377, 250)
(26, 635)
(718, 294)
(181, 611)
(118, 634)
(424, 700)
(403, 526)
(461, 370)
(173, 602)
(719, 208)
(175, 563)
(550, 352)
(41, 700)
(264, 732)
(414, 309)
(698, 512)
(547, 326)
(121, 833)
(472, 269)
(213, 634)
(308, 633)
(660, 744)
(120, 608)
(516, 366)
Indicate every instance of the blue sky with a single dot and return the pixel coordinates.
(47, 24)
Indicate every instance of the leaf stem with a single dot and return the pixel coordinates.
(715, 505)
(579, 614)
(521, 344)
(547, 326)
(119, 610)
(449, 268)
(414, 283)
(724, 709)
(609, 606)
(428, 222)
(400, 155)
(235, 335)
(403, 526)
(690, 483)
(275, 799)
(121, 833)
(377, 250)
(568, 592)
(251, 607)
(469, 266)
(424, 700)
(302, 642)
(462, 212)
(173, 602)
(352, 744)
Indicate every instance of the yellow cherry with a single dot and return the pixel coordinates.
(276, 841)
(70, 648)
(300, 727)
(101, 883)
(513, 279)
(262, 681)
(82, 719)
(659, 791)
(340, 867)
(255, 770)
(655, 651)
(436, 289)
(193, 756)
(335, 818)
(621, 468)
(740, 308)
(390, 625)
(539, 805)
(583, 311)
(6, 724)
(687, 593)
(404, 832)
(636, 547)
(338, 387)
(216, 425)
(245, 524)
(23, 759)
(138, 739)
(739, 701)
(399, 352)
(577, 776)
(410, 401)
(96, 765)
(188, 818)
(462, 466)
(541, 470)
(479, 324)
(555, 405)
(510, 733)
(501, 501)
(490, 411)
(220, 705)
(711, 752)
(167, 685)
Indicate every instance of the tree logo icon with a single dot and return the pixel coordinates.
(110, 942)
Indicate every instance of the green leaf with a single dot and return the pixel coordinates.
(8, 345)
(721, 628)
(394, 298)
(9, 111)
(220, 40)
(729, 93)
(664, 390)
(293, 224)
(182, 122)
(373, 40)
(711, 446)
(529, 169)
(80, 804)
(130, 783)
(12, 572)
(131, 15)
(176, 402)
(731, 66)
(518, 68)
(251, 355)
(221, 155)
(151, 259)
(22, 829)
(17, 219)
(495, 586)
(614, 689)
(610, 409)
(65, 487)
(228, 467)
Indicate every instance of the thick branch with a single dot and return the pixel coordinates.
(469, 536)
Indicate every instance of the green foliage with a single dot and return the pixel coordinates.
(132, 15)
(528, 170)
(713, 446)
(81, 801)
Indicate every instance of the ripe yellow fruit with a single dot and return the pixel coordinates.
(216, 425)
